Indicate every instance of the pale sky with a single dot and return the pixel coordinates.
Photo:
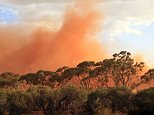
(127, 25)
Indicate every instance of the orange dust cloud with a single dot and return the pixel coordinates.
(42, 49)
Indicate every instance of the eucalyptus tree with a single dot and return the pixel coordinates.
(121, 70)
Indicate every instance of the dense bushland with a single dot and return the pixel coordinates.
(72, 100)
(112, 86)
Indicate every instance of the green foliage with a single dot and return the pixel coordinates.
(33, 78)
(69, 72)
(41, 96)
(117, 99)
(143, 103)
(8, 79)
(148, 76)
(3, 101)
(62, 69)
(73, 100)
(121, 69)
(86, 64)
(38, 78)
(115, 75)
(45, 73)
(20, 102)
(57, 78)
(99, 99)
(68, 100)
(120, 98)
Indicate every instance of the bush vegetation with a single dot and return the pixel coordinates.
(73, 101)
(101, 88)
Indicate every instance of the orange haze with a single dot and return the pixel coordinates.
(23, 51)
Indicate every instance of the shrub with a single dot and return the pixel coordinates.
(120, 98)
(143, 103)
(68, 100)
(99, 99)
(20, 102)
(116, 99)
(41, 96)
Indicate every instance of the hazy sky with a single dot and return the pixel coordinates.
(127, 25)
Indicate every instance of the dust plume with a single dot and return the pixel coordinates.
(74, 42)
